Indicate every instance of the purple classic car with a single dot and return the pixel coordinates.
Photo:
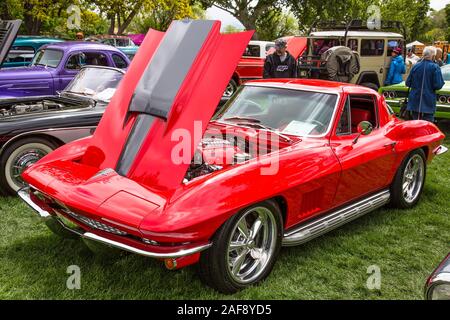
(55, 65)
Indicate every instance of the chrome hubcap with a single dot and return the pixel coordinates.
(252, 244)
(22, 161)
(229, 90)
(413, 178)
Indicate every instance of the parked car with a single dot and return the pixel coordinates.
(283, 162)
(24, 48)
(373, 50)
(396, 94)
(123, 43)
(251, 65)
(55, 65)
(437, 286)
(32, 127)
(9, 30)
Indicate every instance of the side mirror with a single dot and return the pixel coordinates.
(364, 128)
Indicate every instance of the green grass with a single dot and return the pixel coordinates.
(406, 244)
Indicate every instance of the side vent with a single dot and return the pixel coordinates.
(311, 202)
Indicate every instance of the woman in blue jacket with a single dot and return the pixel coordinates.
(423, 80)
(396, 68)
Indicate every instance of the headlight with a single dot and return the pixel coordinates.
(442, 99)
(438, 284)
(440, 292)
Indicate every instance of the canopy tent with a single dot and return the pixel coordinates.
(415, 43)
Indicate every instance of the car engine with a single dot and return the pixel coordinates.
(32, 107)
(214, 154)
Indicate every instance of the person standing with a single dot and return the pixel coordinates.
(438, 57)
(280, 64)
(396, 69)
(424, 79)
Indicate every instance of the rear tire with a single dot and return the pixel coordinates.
(19, 156)
(409, 180)
(244, 249)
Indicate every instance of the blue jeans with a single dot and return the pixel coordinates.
(422, 116)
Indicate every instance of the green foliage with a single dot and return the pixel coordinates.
(246, 11)
(231, 29)
(160, 17)
(275, 24)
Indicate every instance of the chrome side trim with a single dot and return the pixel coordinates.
(54, 222)
(317, 227)
(440, 150)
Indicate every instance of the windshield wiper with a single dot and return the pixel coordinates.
(243, 119)
(261, 126)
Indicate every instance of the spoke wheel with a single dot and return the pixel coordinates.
(251, 244)
(244, 249)
(17, 158)
(413, 178)
(409, 180)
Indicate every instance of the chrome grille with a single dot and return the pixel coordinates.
(95, 224)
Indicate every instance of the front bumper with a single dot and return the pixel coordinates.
(58, 226)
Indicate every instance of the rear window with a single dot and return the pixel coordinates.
(252, 50)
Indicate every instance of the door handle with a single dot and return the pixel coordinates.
(391, 145)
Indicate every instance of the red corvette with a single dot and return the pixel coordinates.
(282, 162)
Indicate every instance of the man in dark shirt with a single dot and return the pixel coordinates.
(280, 64)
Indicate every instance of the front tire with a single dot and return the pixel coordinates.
(244, 249)
(17, 157)
(409, 180)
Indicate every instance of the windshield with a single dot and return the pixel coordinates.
(446, 72)
(287, 111)
(97, 83)
(47, 57)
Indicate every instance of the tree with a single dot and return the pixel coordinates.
(121, 13)
(246, 11)
(412, 14)
(229, 28)
(276, 24)
(161, 16)
(447, 18)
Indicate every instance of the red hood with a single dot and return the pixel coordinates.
(169, 94)
(295, 45)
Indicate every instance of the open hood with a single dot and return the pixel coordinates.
(8, 33)
(161, 109)
(295, 45)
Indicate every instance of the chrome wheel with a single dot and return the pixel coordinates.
(20, 159)
(252, 244)
(230, 89)
(413, 178)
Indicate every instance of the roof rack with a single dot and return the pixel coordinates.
(356, 24)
